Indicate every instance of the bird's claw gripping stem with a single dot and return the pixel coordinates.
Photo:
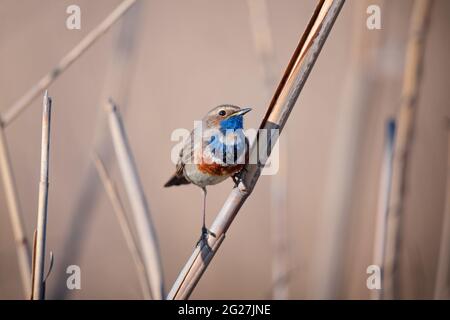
(238, 176)
(204, 236)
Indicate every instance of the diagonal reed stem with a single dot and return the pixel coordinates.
(277, 114)
(18, 228)
(119, 210)
(141, 213)
(38, 286)
(118, 79)
(12, 112)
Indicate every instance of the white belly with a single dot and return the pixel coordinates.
(201, 179)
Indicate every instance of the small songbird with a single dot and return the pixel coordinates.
(215, 150)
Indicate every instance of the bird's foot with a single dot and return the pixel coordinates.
(238, 176)
(235, 180)
(204, 236)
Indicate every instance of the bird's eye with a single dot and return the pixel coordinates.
(222, 113)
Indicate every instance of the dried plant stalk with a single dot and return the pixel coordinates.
(263, 43)
(15, 214)
(12, 112)
(442, 285)
(277, 114)
(118, 79)
(38, 286)
(405, 123)
(358, 83)
(119, 210)
(141, 213)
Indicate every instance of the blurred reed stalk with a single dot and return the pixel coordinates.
(419, 26)
(15, 215)
(263, 43)
(12, 112)
(358, 82)
(23, 251)
(277, 114)
(442, 285)
(38, 285)
(121, 215)
(383, 200)
(117, 79)
(141, 213)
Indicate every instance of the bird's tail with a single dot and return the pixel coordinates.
(176, 180)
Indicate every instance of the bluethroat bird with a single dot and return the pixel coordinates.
(215, 150)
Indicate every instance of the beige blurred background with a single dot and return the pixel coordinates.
(190, 56)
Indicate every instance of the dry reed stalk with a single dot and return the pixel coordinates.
(141, 213)
(334, 217)
(13, 111)
(118, 79)
(262, 40)
(383, 200)
(412, 77)
(277, 114)
(38, 285)
(263, 43)
(442, 285)
(15, 214)
(121, 215)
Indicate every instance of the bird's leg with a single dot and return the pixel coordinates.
(205, 231)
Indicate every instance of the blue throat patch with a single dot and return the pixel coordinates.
(232, 123)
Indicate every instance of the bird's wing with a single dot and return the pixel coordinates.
(186, 156)
(192, 147)
(178, 178)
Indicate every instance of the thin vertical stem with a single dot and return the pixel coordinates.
(358, 83)
(405, 123)
(263, 43)
(141, 213)
(41, 229)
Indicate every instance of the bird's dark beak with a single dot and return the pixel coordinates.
(241, 112)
